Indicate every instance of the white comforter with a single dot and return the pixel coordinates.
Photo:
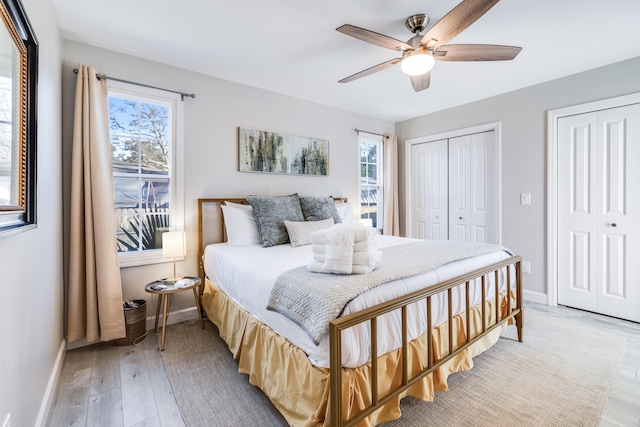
(247, 273)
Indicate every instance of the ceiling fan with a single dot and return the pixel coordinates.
(419, 53)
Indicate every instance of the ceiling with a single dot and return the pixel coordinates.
(291, 46)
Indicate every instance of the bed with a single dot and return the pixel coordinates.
(403, 337)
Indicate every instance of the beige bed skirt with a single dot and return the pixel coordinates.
(300, 390)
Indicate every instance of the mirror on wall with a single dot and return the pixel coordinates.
(18, 109)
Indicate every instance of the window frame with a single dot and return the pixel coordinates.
(379, 140)
(176, 166)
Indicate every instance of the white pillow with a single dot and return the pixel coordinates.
(345, 210)
(241, 225)
(300, 231)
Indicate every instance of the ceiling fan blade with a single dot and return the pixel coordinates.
(456, 21)
(373, 37)
(371, 70)
(476, 52)
(421, 82)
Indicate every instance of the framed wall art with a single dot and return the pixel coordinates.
(271, 152)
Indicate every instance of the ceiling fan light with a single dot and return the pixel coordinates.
(417, 63)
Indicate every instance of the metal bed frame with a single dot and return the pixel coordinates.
(514, 312)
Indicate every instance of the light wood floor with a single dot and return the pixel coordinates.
(111, 386)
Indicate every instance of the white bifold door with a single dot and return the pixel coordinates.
(599, 211)
(454, 189)
(430, 190)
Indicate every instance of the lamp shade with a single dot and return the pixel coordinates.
(417, 62)
(367, 222)
(174, 244)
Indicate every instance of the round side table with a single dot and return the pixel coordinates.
(166, 287)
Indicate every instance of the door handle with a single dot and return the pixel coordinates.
(613, 224)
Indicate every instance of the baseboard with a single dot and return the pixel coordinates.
(79, 343)
(536, 297)
(174, 317)
(52, 385)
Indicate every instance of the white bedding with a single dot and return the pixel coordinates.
(247, 273)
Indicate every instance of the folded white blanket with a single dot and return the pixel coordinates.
(369, 259)
(369, 245)
(338, 259)
(366, 246)
(318, 248)
(360, 232)
(318, 267)
(357, 232)
(344, 249)
(340, 238)
(319, 238)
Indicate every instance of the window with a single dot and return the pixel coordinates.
(145, 129)
(371, 179)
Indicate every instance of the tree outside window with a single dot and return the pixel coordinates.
(140, 132)
(371, 180)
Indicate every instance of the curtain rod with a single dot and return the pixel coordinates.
(372, 133)
(104, 76)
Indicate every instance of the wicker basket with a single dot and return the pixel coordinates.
(135, 321)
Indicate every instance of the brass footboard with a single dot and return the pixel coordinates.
(371, 314)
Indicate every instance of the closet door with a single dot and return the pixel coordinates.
(599, 211)
(473, 188)
(429, 216)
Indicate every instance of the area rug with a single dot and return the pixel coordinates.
(561, 375)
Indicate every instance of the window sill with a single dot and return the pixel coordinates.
(148, 257)
(9, 231)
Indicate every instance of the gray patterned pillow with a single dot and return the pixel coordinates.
(317, 208)
(300, 232)
(271, 212)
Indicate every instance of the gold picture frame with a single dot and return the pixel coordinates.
(18, 118)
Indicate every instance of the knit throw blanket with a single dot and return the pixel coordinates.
(311, 300)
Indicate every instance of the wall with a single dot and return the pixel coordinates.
(31, 330)
(211, 122)
(523, 116)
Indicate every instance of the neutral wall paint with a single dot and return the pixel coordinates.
(31, 331)
(523, 117)
(211, 122)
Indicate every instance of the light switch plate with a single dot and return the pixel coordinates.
(525, 198)
(526, 267)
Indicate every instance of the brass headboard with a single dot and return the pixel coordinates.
(211, 224)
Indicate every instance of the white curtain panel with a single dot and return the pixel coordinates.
(94, 306)
(391, 223)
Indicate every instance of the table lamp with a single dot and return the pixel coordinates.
(367, 222)
(174, 244)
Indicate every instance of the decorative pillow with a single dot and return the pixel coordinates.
(241, 225)
(271, 212)
(317, 208)
(300, 232)
(345, 210)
